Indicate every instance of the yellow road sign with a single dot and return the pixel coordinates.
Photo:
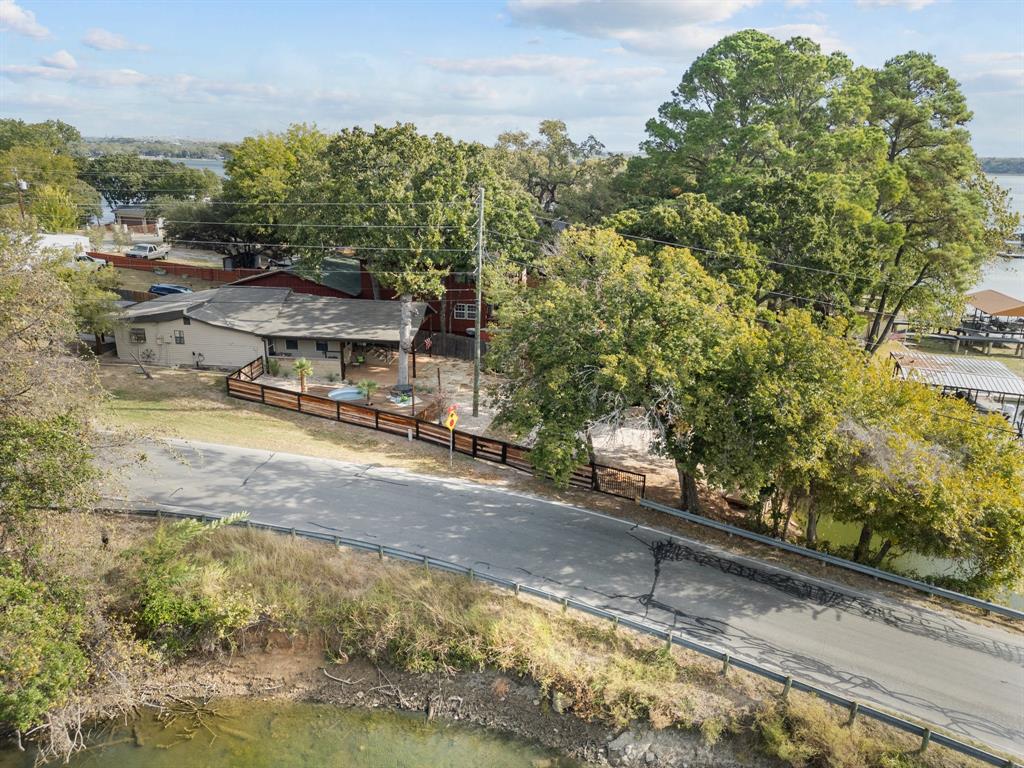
(452, 420)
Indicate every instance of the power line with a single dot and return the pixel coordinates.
(322, 247)
(317, 226)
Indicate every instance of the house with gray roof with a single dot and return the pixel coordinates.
(229, 326)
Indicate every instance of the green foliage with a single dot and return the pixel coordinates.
(125, 179)
(178, 603)
(274, 366)
(54, 208)
(42, 659)
(94, 298)
(572, 179)
(54, 135)
(110, 145)
(367, 387)
(303, 368)
(926, 473)
(48, 173)
(859, 186)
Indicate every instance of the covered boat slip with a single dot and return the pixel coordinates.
(987, 384)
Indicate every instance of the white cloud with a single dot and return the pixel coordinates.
(104, 40)
(512, 66)
(910, 5)
(98, 78)
(598, 18)
(652, 27)
(16, 19)
(60, 60)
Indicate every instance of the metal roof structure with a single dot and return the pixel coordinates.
(281, 312)
(959, 372)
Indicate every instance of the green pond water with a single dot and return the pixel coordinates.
(254, 734)
(908, 562)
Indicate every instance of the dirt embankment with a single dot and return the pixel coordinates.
(511, 705)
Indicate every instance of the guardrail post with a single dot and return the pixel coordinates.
(726, 663)
(517, 589)
(380, 552)
(854, 711)
(668, 641)
(926, 739)
(203, 519)
(248, 524)
(565, 604)
(615, 623)
(426, 563)
(786, 688)
(293, 533)
(159, 515)
(469, 574)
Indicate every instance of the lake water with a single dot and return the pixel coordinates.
(1007, 275)
(260, 734)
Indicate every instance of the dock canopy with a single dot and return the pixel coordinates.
(956, 372)
(996, 303)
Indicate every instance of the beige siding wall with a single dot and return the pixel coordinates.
(307, 348)
(220, 347)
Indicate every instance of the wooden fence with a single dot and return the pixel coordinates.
(213, 274)
(243, 384)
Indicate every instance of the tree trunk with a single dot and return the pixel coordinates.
(405, 340)
(860, 554)
(688, 497)
(882, 552)
(789, 518)
(811, 532)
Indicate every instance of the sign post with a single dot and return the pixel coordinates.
(450, 421)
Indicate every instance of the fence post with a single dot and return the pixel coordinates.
(926, 739)
(854, 711)
(593, 476)
(474, 446)
(376, 419)
(504, 452)
(263, 394)
(337, 410)
(786, 688)
(298, 401)
(417, 429)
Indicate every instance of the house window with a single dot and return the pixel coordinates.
(321, 346)
(465, 311)
(186, 321)
(291, 343)
(137, 335)
(179, 337)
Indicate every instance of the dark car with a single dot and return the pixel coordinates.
(164, 289)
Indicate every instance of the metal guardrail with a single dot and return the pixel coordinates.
(926, 733)
(839, 562)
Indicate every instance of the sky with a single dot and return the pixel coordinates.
(221, 70)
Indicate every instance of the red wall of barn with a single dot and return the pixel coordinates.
(296, 283)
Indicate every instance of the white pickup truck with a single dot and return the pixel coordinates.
(146, 251)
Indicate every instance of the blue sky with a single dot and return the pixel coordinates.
(223, 70)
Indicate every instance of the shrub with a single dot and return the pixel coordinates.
(41, 655)
(177, 602)
(274, 366)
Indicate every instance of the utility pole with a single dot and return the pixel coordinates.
(479, 301)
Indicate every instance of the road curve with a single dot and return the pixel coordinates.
(963, 677)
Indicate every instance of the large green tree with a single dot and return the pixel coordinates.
(127, 179)
(566, 177)
(859, 187)
(611, 332)
(405, 202)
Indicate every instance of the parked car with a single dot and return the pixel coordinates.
(165, 289)
(87, 259)
(145, 251)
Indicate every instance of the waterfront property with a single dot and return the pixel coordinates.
(229, 326)
(988, 385)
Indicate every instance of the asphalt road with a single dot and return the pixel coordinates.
(963, 677)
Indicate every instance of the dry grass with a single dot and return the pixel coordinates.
(420, 620)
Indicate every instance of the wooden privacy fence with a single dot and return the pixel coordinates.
(243, 385)
(213, 274)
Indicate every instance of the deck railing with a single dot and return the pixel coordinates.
(604, 478)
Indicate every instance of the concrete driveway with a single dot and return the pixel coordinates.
(960, 676)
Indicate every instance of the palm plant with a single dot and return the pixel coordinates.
(366, 388)
(303, 368)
